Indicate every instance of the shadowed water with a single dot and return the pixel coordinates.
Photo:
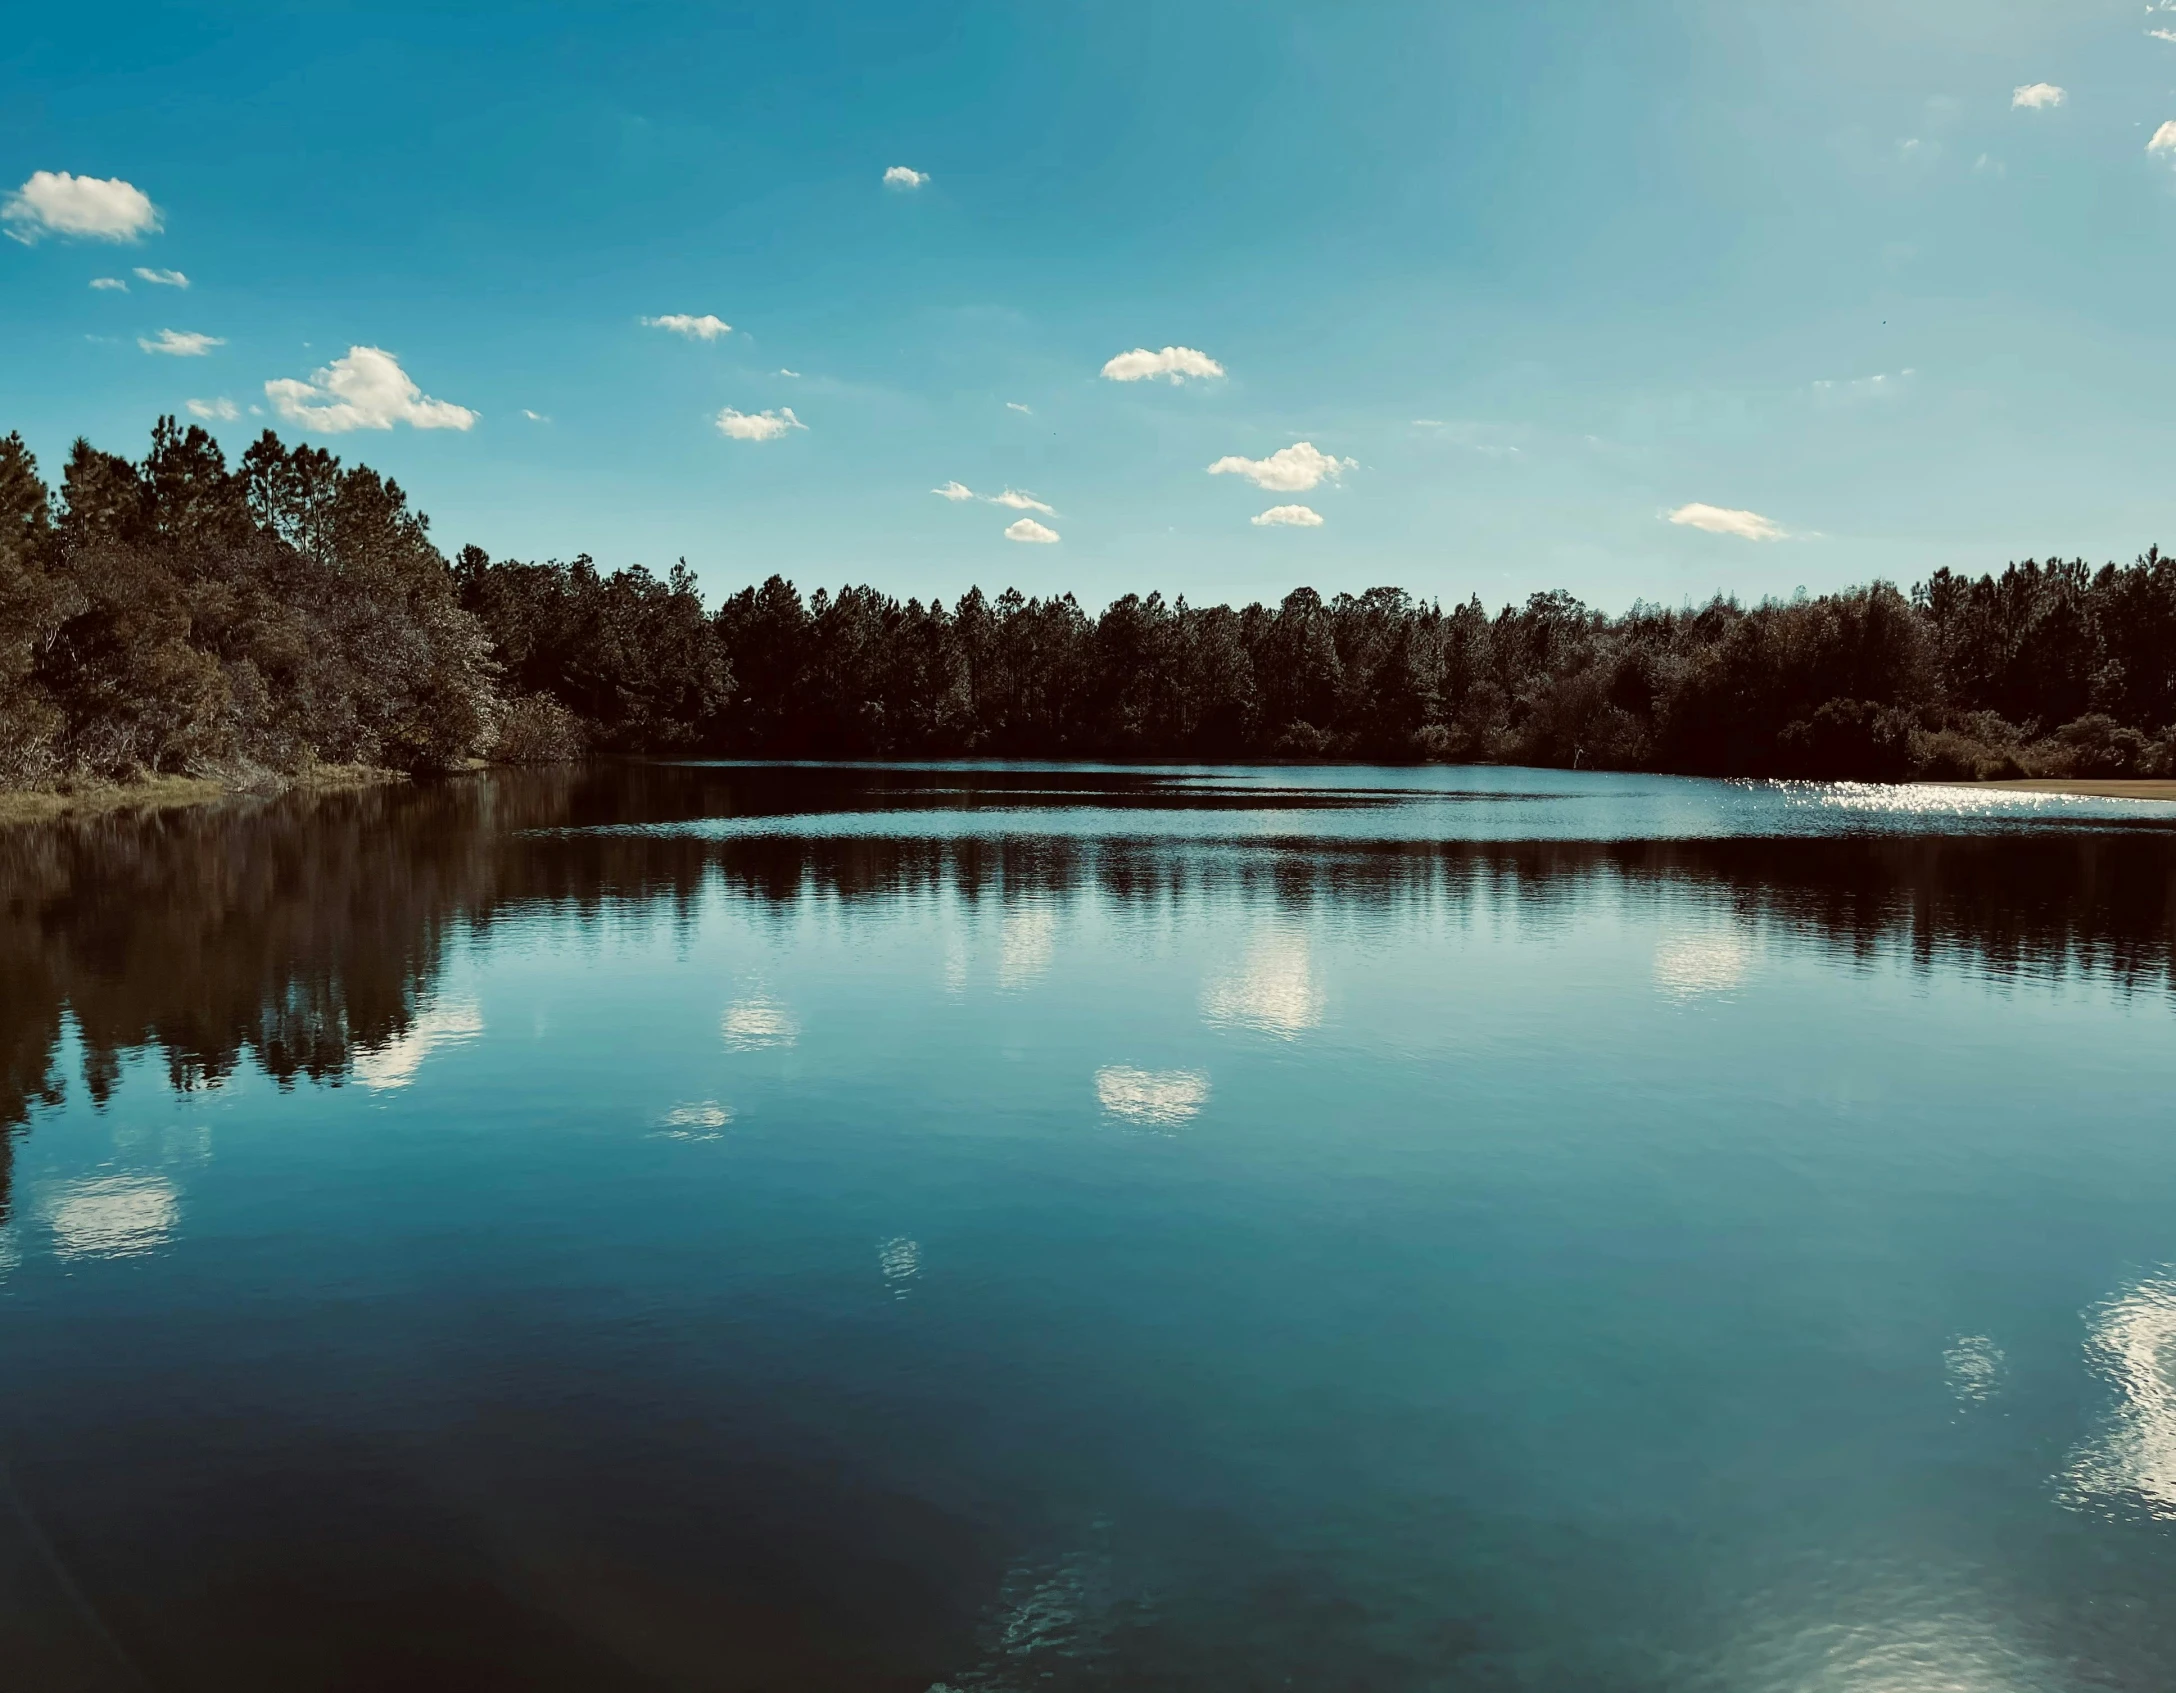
(1010, 1227)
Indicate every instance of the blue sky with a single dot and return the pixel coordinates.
(1529, 277)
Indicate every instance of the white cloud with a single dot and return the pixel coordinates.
(2038, 96)
(1027, 529)
(366, 389)
(1015, 405)
(110, 282)
(757, 426)
(221, 410)
(1722, 520)
(534, 416)
(2162, 34)
(1013, 499)
(783, 371)
(899, 176)
(1288, 517)
(1492, 440)
(1289, 470)
(1880, 385)
(96, 208)
(163, 278)
(708, 327)
(181, 343)
(1176, 363)
(2164, 138)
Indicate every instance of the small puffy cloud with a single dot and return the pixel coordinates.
(1289, 470)
(1015, 405)
(162, 278)
(954, 491)
(2162, 34)
(1015, 500)
(1174, 363)
(1288, 517)
(93, 207)
(215, 411)
(1492, 440)
(114, 283)
(1881, 385)
(1027, 529)
(365, 389)
(783, 371)
(1722, 520)
(757, 426)
(899, 176)
(708, 327)
(180, 343)
(534, 416)
(2164, 138)
(2037, 96)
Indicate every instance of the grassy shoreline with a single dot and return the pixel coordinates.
(168, 793)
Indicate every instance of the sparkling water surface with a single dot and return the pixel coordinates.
(1009, 1227)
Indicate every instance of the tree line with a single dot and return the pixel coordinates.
(176, 614)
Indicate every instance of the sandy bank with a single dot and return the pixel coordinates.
(2129, 787)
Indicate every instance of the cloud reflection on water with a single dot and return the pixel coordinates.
(394, 1065)
(2133, 1343)
(113, 1216)
(701, 1119)
(1273, 989)
(899, 1261)
(1710, 961)
(749, 1025)
(1156, 1098)
(1974, 1366)
(1027, 942)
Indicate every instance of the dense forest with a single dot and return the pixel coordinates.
(181, 615)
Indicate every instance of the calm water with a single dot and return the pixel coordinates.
(1009, 1228)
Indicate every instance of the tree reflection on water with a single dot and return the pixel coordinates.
(304, 934)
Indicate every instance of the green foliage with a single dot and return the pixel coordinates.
(634, 657)
(182, 617)
(33, 606)
(1867, 683)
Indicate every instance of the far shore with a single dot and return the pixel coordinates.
(2090, 787)
(168, 793)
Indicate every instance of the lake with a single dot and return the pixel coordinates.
(1002, 1227)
